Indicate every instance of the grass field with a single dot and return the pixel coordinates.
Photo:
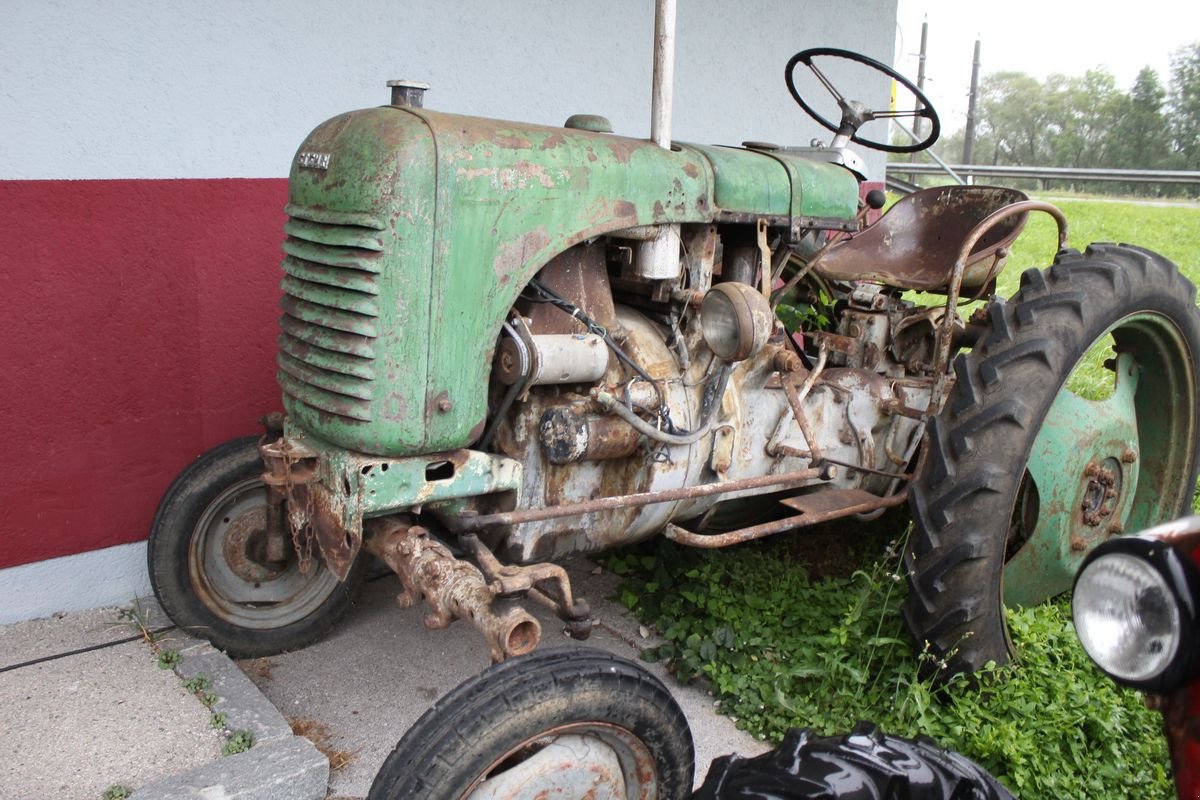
(783, 646)
(1173, 231)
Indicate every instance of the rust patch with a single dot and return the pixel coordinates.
(338, 545)
(622, 150)
(506, 139)
(690, 170)
(624, 209)
(516, 254)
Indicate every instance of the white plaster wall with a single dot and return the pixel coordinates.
(152, 89)
(109, 577)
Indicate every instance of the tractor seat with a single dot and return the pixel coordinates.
(914, 245)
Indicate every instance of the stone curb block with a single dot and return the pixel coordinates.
(244, 706)
(280, 765)
(286, 769)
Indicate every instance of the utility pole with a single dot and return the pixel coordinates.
(969, 137)
(918, 120)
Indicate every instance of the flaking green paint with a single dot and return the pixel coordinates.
(1076, 432)
(465, 212)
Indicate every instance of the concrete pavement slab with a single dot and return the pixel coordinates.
(74, 726)
(99, 712)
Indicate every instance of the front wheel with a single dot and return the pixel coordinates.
(557, 723)
(1036, 458)
(208, 572)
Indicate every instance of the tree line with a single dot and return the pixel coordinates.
(1087, 121)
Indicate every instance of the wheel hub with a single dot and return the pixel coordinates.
(244, 547)
(1083, 467)
(568, 766)
(1102, 494)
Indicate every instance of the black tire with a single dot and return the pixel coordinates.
(863, 765)
(981, 514)
(494, 724)
(246, 610)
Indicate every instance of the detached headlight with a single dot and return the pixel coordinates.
(1135, 613)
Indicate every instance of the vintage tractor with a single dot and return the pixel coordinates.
(503, 344)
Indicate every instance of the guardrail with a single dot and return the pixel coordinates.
(1050, 173)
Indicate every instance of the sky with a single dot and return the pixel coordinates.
(1039, 38)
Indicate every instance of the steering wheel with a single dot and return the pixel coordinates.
(855, 113)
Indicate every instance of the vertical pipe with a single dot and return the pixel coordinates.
(662, 88)
(969, 137)
(658, 259)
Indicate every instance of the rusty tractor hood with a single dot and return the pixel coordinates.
(411, 233)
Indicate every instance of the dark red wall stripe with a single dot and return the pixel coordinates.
(137, 329)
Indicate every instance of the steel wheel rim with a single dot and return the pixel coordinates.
(280, 599)
(1155, 386)
(597, 742)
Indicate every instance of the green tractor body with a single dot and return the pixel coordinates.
(503, 344)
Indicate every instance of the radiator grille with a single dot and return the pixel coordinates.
(330, 310)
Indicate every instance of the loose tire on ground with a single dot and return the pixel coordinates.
(499, 728)
(200, 534)
(865, 764)
(977, 503)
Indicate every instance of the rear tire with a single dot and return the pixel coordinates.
(202, 576)
(862, 765)
(1023, 477)
(500, 728)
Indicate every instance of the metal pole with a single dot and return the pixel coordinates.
(969, 137)
(658, 259)
(919, 121)
(662, 89)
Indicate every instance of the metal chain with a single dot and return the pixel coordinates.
(303, 551)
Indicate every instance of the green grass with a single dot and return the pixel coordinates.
(1172, 231)
(781, 650)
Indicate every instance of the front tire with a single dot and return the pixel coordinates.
(1023, 476)
(202, 566)
(561, 723)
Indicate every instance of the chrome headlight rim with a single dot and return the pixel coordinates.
(735, 321)
(1181, 577)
